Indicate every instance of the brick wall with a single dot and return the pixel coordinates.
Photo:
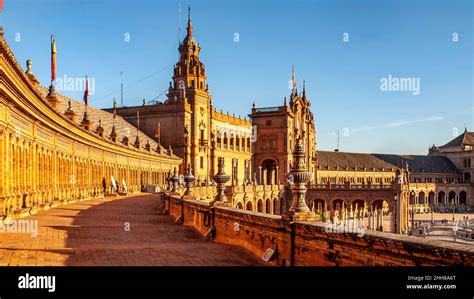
(308, 244)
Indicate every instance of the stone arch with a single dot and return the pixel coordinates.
(260, 206)
(358, 207)
(412, 197)
(319, 205)
(431, 197)
(357, 203)
(239, 206)
(336, 206)
(249, 206)
(421, 198)
(237, 143)
(269, 171)
(276, 206)
(441, 196)
(268, 206)
(463, 197)
(451, 197)
(379, 209)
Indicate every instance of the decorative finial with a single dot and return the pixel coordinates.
(190, 169)
(253, 105)
(28, 66)
(304, 90)
(293, 80)
(190, 25)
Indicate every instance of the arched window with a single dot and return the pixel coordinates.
(276, 207)
(219, 139)
(249, 206)
(463, 197)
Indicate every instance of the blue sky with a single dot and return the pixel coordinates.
(404, 39)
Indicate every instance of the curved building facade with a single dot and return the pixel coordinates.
(50, 151)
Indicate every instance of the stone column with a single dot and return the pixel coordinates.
(221, 179)
(260, 175)
(189, 180)
(236, 172)
(351, 217)
(393, 220)
(174, 180)
(277, 175)
(299, 210)
(369, 217)
(381, 219)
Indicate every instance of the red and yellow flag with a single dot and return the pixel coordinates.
(86, 92)
(53, 58)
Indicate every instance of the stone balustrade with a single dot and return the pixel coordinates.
(309, 244)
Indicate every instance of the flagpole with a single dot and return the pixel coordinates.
(115, 113)
(53, 59)
(86, 95)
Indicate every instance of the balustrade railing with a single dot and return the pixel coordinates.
(351, 186)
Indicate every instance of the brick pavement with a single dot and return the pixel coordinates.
(94, 232)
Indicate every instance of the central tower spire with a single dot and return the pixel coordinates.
(190, 25)
(189, 76)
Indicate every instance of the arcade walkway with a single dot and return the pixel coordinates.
(95, 232)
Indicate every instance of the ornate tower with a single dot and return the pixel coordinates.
(278, 129)
(188, 90)
(303, 127)
(189, 78)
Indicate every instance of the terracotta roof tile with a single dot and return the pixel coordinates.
(466, 138)
(121, 125)
(387, 162)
